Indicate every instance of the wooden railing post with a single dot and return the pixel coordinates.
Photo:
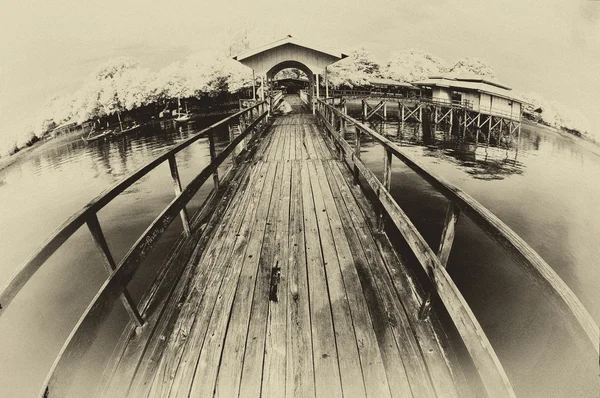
(213, 155)
(231, 138)
(356, 152)
(444, 249)
(110, 265)
(387, 183)
(177, 188)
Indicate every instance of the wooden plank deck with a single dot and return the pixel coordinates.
(345, 320)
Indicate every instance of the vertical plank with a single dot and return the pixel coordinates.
(231, 138)
(177, 188)
(356, 151)
(325, 354)
(274, 368)
(371, 363)
(213, 155)
(444, 249)
(300, 378)
(110, 265)
(344, 325)
(223, 348)
(387, 182)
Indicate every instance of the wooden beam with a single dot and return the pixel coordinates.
(31, 265)
(444, 249)
(177, 187)
(83, 334)
(523, 255)
(110, 265)
(213, 156)
(492, 373)
(387, 183)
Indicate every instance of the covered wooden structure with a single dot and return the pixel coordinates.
(289, 52)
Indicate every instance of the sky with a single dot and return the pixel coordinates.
(549, 47)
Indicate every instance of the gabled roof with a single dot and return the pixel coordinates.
(389, 82)
(287, 40)
(475, 83)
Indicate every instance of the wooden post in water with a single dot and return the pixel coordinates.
(253, 85)
(110, 265)
(385, 110)
(387, 183)
(326, 84)
(446, 240)
(177, 187)
(364, 110)
(213, 155)
(341, 136)
(262, 88)
(356, 152)
(231, 138)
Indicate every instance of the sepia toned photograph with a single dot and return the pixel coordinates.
(373, 199)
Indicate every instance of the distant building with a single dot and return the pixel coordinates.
(477, 93)
(390, 86)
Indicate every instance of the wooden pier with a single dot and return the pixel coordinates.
(294, 294)
(284, 283)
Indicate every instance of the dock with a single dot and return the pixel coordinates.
(336, 324)
(285, 283)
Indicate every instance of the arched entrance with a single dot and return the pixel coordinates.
(268, 60)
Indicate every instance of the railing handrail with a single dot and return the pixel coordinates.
(480, 349)
(83, 334)
(28, 268)
(490, 223)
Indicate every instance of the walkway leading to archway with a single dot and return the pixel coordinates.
(295, 294)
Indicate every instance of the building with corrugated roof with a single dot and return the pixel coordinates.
(477, 93)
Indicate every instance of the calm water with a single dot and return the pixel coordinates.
(544, 186)
(42, 191)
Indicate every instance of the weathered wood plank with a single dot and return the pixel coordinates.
(110, 265)
(346, 340)
(215, 344)
(444, 249)
(275, 353)
(243, 352)
(165, 289)
(325, 355)
(383, 305)
(300, 378)
(373, 370)
(534, 265)
(487, 363)
(228, 271)
(434, 355)
(162, 358)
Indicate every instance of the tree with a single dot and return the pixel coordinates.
(413, 65)
(472, 66)
(355, 70)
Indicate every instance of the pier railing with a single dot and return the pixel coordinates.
(119, 275)
(489, 367)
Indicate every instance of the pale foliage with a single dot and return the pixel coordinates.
(355, 70)
(558, 115)
(471, 66)
(413, 65)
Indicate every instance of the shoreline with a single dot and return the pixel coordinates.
(583, 142)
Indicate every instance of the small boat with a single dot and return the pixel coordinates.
(127, 130)
(183, 117)
(99, 135)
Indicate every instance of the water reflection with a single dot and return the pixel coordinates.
(38, 193)
(485, 158)
(542, 185)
